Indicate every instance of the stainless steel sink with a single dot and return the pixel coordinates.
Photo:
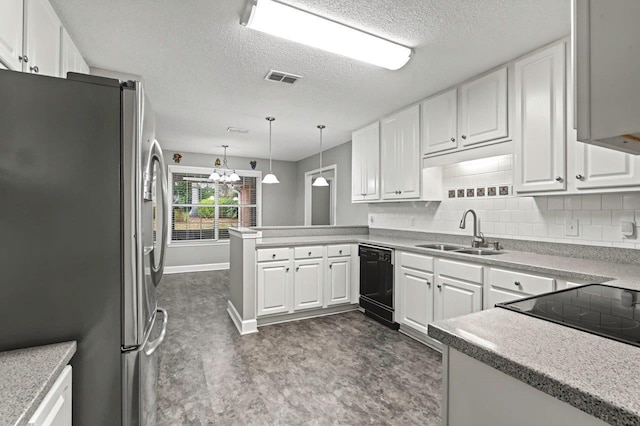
(444, 247)
(479, 252)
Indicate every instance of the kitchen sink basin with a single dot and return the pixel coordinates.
(479, 252)
(444, 247)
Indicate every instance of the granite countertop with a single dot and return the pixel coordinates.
(596, 375)
(618, 274)
(26, 375)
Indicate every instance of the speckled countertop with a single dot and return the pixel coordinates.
(26, 375)
(596, 375)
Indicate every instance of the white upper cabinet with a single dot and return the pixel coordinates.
(598, 167)
(11, 28)
(365, 163)
(440, 122)
(400, 155)
(483, 109)
(71, 59)
(540, 126)
(42, 38)
(606, 53)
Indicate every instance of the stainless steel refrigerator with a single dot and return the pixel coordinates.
(83, 220)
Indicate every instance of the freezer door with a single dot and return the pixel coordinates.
(142, 166)
(140, 381)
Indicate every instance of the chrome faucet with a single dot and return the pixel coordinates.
(478, 237)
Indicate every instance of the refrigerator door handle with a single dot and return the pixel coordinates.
(151, 347)
(155, 155)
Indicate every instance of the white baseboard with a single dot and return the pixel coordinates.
(196, 268)
(244, 327)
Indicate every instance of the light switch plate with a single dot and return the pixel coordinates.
(571, 228)
(628, 229)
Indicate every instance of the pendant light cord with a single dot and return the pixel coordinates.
(321, 126)
(270, 168)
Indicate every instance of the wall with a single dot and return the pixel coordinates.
(277, 203)
(530, 218)
(346, 212)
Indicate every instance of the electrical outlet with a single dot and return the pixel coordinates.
(571, 228)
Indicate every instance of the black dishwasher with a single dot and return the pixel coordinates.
(376, 284)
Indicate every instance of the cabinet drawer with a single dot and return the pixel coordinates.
(308, 252)
(516, 281)
(463, 271)
(416, 261)
(341, 250)
(273, 254)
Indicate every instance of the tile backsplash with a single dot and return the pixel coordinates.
(599, 216)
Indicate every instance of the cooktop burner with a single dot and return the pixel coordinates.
(595, 308)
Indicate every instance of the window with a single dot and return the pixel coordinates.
(203, 210)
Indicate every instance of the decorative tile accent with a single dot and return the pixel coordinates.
(460, 193)
(504, 190)
(480, 192)
(470, 192)
(452, 193)
(491, 191)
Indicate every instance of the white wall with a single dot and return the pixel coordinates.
(529, 218)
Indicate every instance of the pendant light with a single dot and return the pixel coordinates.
(270, 177)
(227, 175)
(320, 181)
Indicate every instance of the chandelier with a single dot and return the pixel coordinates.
(224, 173)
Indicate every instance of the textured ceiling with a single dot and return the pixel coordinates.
(204, 71)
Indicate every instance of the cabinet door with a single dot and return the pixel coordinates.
(483, 109)
(454, 298)
(598, 167)
(71, 59)
(365, 163)
(308, 284)
(440, 122)
(274, 288)
(55, 408)
(400, 155)
(540, 140)
(11, 27)
(416, 299)
(42, 38)
(339, 281)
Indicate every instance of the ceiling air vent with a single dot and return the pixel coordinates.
(282, 77)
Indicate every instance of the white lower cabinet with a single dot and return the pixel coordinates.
(507, 286)
(338, 280)
(275, 288)
(55, 408)
(308, 284)
(415, 308)
(458, 289)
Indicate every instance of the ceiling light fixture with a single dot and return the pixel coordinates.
(270, 177)
(320, 181)
(297, 25)
(224, 174)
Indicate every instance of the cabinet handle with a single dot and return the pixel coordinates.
(331, 266)
(273, 256)
(23, 58)
(309, 253)
(35, 69)
(517, 283)
(340, 252)
(558, 178)
(453, 139)
(429, 283)
(579, 176)
(439, 286)
(297, 268)
(464, 136)
(287, 270)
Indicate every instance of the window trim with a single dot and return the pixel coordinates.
(208, 170)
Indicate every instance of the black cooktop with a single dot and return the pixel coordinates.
(604, 310)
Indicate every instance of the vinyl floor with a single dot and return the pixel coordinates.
(343, 369)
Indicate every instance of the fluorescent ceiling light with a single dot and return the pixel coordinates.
(293, 24)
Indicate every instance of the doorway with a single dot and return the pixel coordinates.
(320, 201)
